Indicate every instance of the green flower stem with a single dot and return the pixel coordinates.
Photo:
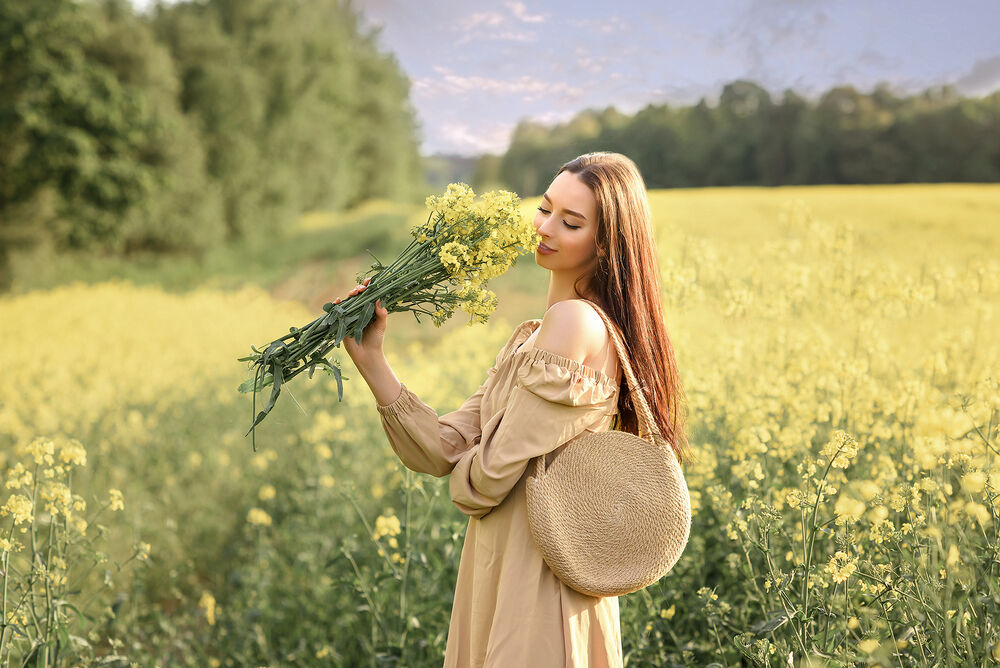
(807, 556)
(722, 653)
(371, 533)
(786, 603)
(898, 591)
(408, 478)
(364, 590)
(888, 622)
(829, 615)
(847, 618)
(47, 582)
(34, 550)
(3, 601)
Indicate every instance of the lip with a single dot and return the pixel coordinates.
(542, 248)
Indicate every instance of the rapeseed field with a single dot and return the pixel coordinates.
(839, 350)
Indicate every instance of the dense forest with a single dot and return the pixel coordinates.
(198, 124)
(748, 138)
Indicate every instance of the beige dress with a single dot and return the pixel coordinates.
(509, 609)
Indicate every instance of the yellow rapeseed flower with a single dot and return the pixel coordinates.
(869, 645)
(841, 566)
(867, 489)
(842, 447)
(18, 477)
(978, 512)
(386, 525)
(207, 604)
(19, 507)
(6, 545)
(266, 493)
(42, 450)
(848, 509)
(58, 497)
(258, 517)
(974, 482)
(117, 499)
(73, 452)
(878, 514)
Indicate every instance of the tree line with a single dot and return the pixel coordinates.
(197, 124)
(748, 138)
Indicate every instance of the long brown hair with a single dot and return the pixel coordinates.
(626, 284)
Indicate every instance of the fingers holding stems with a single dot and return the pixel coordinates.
(357, 289)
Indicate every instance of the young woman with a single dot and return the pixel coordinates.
(555, 379)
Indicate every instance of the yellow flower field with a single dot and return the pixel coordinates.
(838, 346)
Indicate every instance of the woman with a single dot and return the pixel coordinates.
(555, 379)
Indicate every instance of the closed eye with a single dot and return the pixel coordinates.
(572, 227)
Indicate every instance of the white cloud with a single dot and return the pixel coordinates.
(555, 117)
(529, 87)
(521, 12)
(493, 25)
(473, 21)
(461, 138)
(509, 35)
(982, 79)
(609, 25)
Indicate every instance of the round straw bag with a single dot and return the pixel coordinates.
(611, 513)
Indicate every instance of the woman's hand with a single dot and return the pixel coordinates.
(370, 348)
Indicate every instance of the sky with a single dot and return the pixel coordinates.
(477, 67)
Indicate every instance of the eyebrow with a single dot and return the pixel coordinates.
(572, 213)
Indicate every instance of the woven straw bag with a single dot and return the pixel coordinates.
(611, 513)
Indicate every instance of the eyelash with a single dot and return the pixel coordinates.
(572, 227)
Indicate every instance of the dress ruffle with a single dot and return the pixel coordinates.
(562, 380)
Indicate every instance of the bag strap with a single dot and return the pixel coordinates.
(644, 414)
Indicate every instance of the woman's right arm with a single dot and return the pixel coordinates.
(423, 441)
(368, 356)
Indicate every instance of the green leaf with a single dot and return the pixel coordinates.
(341, 330)
(363, 319)
(248, 384)
(340, 381)
(771, 624)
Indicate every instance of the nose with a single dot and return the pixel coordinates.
(541, 220)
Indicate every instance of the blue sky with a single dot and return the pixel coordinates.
(479, 67)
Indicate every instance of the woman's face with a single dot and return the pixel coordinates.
(567, 222)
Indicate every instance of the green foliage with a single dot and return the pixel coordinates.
(298, 110)
(749, 139)
(68, 123)
(199, 124)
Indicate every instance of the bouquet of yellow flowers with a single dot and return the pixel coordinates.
(462, 245)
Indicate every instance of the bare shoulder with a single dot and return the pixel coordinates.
(573, 329)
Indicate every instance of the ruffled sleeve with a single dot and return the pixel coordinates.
(553, 400)
(426, 443)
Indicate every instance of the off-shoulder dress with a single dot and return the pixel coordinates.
(509, 608)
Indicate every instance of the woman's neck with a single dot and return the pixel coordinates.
(561, 288)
